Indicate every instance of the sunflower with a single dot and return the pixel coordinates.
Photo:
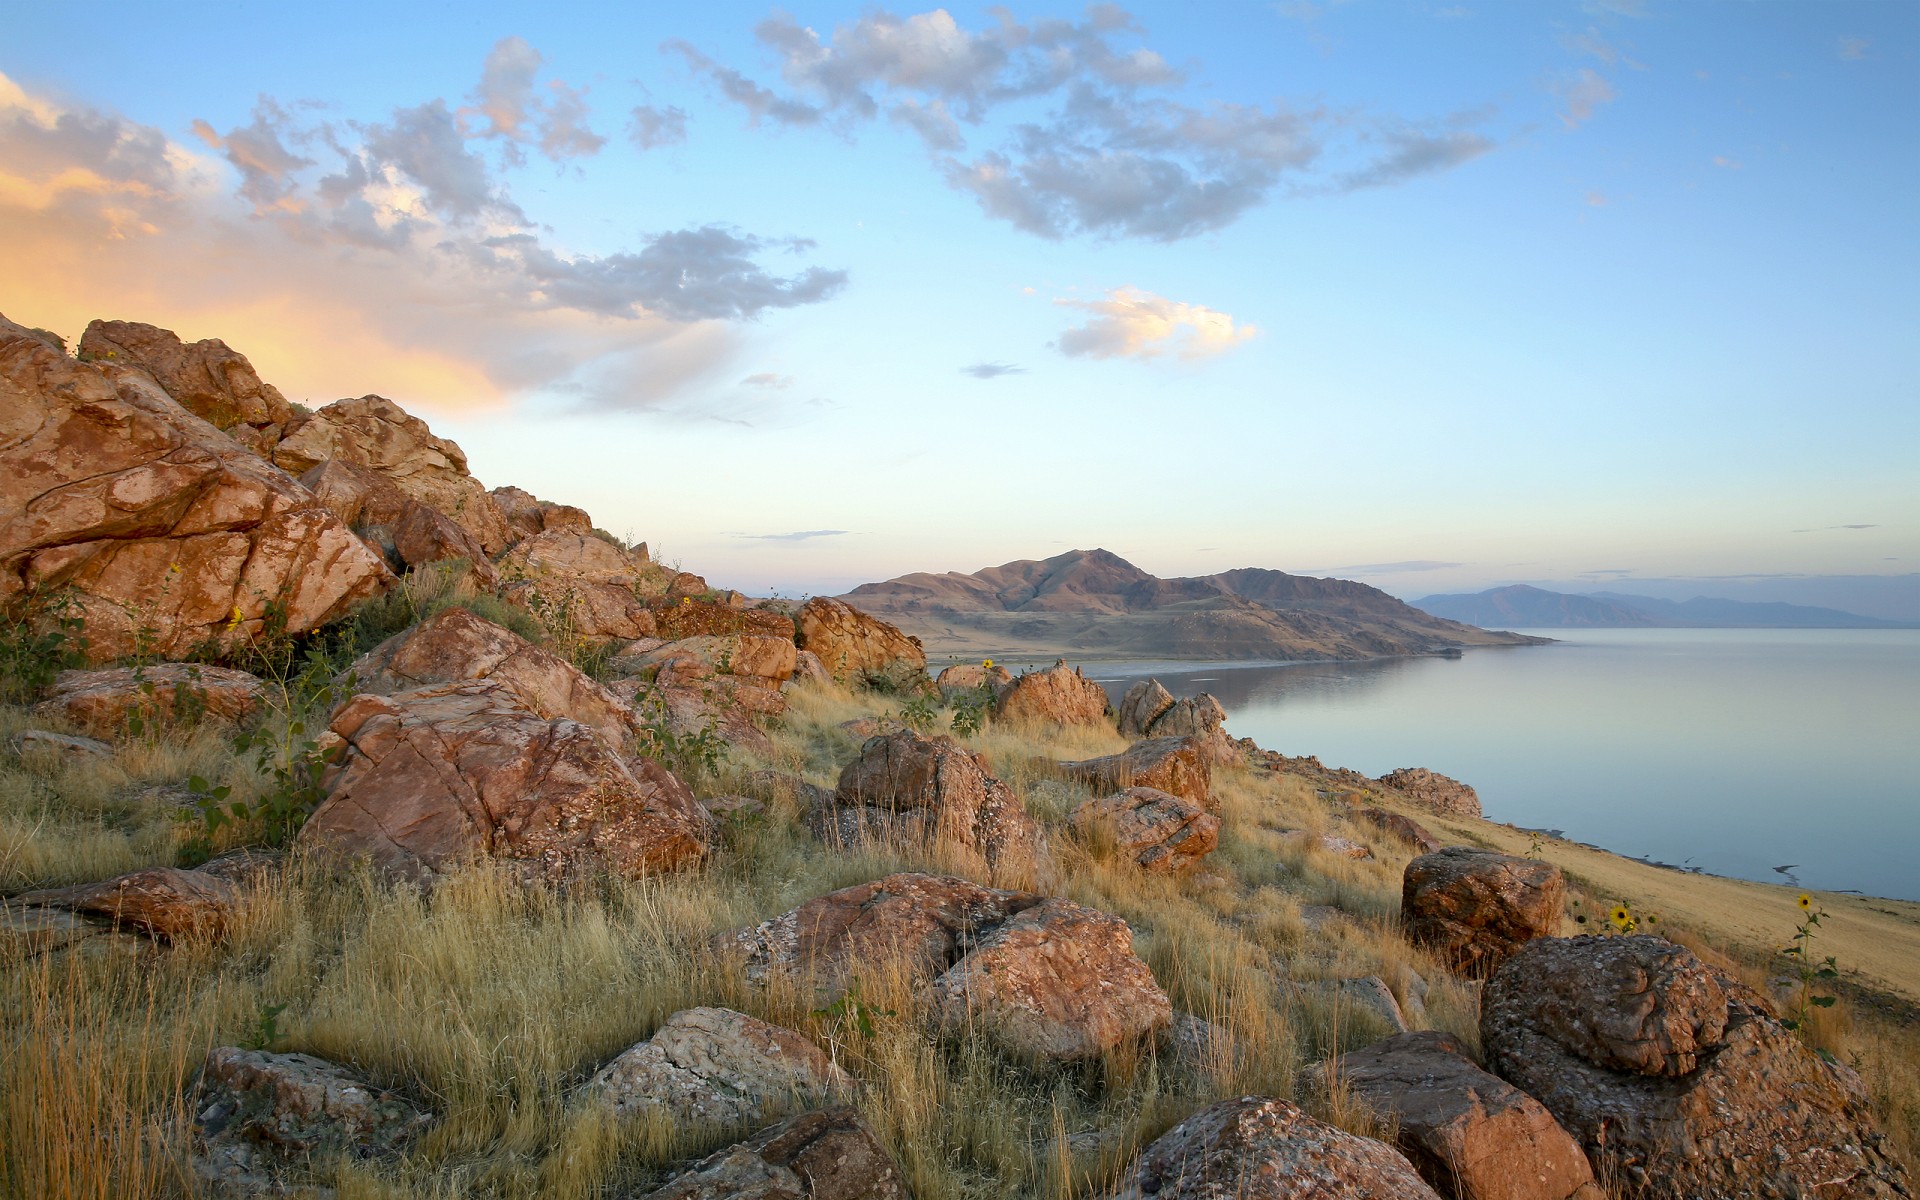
(987, 663)
(1806, 902)
(1620, 916)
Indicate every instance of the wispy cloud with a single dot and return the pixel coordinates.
(1386, 568)
(802, 535)
(1725, 163)
(1131, 323)
(992, 370)
(1830, 528)
(767, 379)
(1583, 93)
(1853, 49)
(1597, 198)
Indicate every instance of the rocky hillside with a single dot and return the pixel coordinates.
(1093, 602)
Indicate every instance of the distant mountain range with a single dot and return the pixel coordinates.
(1095, 602)
(1536, 608)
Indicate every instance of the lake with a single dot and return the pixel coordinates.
(1734, 751)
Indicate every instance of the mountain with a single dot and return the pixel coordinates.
(1536, 608)
(1744, 614)
(1094, 601)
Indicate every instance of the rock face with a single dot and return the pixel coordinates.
(1470, 1134)
(1059, 695)
(404, 531)
(162, 902)
(717, 1067)
(689, 617)
(1161, 832)
(432, 777)
(964, 677)
(857, 648)
(1257, 1147)
(374, 432)
(1430, 789)
(1475, 907)
(258, 1114)
(1175, 765)
(1056, 982)
(527, 514)
(571, 553)
(1403, 827)
(207, 378)
(1142, 706)
(919, 789)
(1677, 1077)
(766, 662)
(579, 584)
(154, 518)
(1195, 717)
(104, 703)
(826, 1155)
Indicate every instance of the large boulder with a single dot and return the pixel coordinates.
(830, 1154)
(1176, 765)
(117, 700)
(527, 514)
(579, 585)
(689, 617)
(1677, 1079)
(374, 432)
(1435, 791)
(406, 532)
(162, 902)
(1475, 907)
(430, 778)
(765, 661)
(572, 553)
(1142, 706)
(1059, 695)
(169, 534)
(208, 378)
(1398, 825)
(1194, 716)
(857, 648)
(718, 1068)
(1257, 1147)
(969, 677)
(934, 790)
(1160, 832)
(1055, 982)
(1472, 1135)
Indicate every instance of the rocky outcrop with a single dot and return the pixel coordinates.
(1474, 908)
(1677, 1079)
(859, 649)
(715, 1067)
(1176, 765)
(430, 778)
(579, 584)
(809, 670)
(1159, 831)
(689, 617)
(1398, 825)
(1472, 1135)
(826, 1155)
(933, 790)
(404, 531)
(527, 514)
(108, 703)
(162, 902)
(207, 378)
(1195, 717)
(168, 533)
(1059, 695)
(1257, 1147)
(967, 677)
(572, 554)
(1142, 706)
(1435, 791)
(764, 661)
(1056, 982)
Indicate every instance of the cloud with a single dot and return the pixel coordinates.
(767, 379)
(1583, 93)
(1725, 163)
(802, 535)
(992, 370)
(1411, 153)
(1853, 49)
(1387, 568)
(685, 275)
(1828, 528)
(506, 105)
(650, 127)
(1131, 323)
(1597, 198)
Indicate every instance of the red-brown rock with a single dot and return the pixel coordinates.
(1161, 832)
(1398, 825)
(1142, 706)
(860, 649)
(1435, 791)
(828, 1154)
(207, 378)
(1474, 907)
(161, 901)
(107, 703)
(1176, 765)
(1059, 695)
(527, 514)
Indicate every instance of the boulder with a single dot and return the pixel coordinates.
(699, 706)
(1398, 825)
(693, 618)
(372, 431)
(1435, 791)
(1161, 832)
(921, 922)
(934, 790)
(808, 669)
(1056, 982)
(105, 702)
(1059, 695)
(162, 902)
(28, 931)
(1259, 1147)
(1142, 705)
(1472, 1135)
(765, 661)
(258, 1115)
(583, 609)
(1474, 907)
(573, 555)
(830, 1154)
(406, 532)
(207, 378)
(1195, 717)
(454, 646)
(1676, 1078)
(968, 677)
(1365, 994)
(1174, 765)
(164, 529)
(527, 514)
(1328, 843)
(59, 745)
(859, 649)
(716, 1067)
(436, 776)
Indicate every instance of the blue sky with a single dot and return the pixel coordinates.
(1434, 295)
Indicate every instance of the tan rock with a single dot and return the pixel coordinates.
(573, 555)
(1142, 706)
(1161, 832)
(583, 608)
(967, 677)
(809, 670)
(716, 1067)
(1328, 843)
(154, 518)
(859, 649)
(59, 745)
(768, 661)
(207, 378)
(527, 515)
(830, 1154)
(1398, 825)
(1474, 908)
(106, 702)
(1366, 994)
(408, 533)
(1059, 695)
(1435, 791)
(1195, 717)
(691, 704)
(160, 901)
(688, 617)
(1175, 765)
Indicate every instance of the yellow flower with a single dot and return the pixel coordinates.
(235, 617)
(1806, 901)
(987, 663)
(1620, 916)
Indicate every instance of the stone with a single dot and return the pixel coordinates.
(714, 1067)
(1059, 695)
(430, 778)
(694, 618)
(374, 432)
(408, 533)
(969, 677)
(585, 609)
(1195, 717)
(207, 378)
(1056, 982)
(809, 670)
(1474, 907)
(1677, 1079)
(1173, 765)
(571, 554)
(163, 528)
(162, 902)
(104, 702)
(1435, 791)
(859, 649)
(1260, 1147)
(1328, 843)
(1191, 1044)
(59, 745)
(921, 923)
(1141, 706)
(1398, 825)
(830, 1154)
(258, 1115)
(28, 931)
(1368, 994)
(1470, 1134)
(527, 515)
(455, 645)
(932, 790)
(1160, 832)
(766, 661)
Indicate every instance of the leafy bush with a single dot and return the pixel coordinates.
(45, 637)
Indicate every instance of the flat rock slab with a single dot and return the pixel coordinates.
(163, 902)
(106, 703)
(715, 1067)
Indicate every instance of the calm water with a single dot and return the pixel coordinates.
(1735, 751)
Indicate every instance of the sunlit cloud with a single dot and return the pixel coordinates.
(1131, 323)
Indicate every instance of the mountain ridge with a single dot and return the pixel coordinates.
(1530, 607)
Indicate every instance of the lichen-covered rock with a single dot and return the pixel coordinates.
(107, 702)
(405, 531)
(208, 378)
(1474, 907)
(763, 660)
(1677, 1079)
(1430, 789)
(809, 670)
(689, 618)
(830, 1154)
(571, 553)
(527, 514)
(717, 1067)
(1175, 765)
(1398, 825)
(1161, 832)
(857, 648)
(588, 609)
(1141, 706)
(1059, 695)
(968, 677)
(1195, 717)
(162, 902)
(1470, 1134)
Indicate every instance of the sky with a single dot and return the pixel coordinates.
(1438, 296)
